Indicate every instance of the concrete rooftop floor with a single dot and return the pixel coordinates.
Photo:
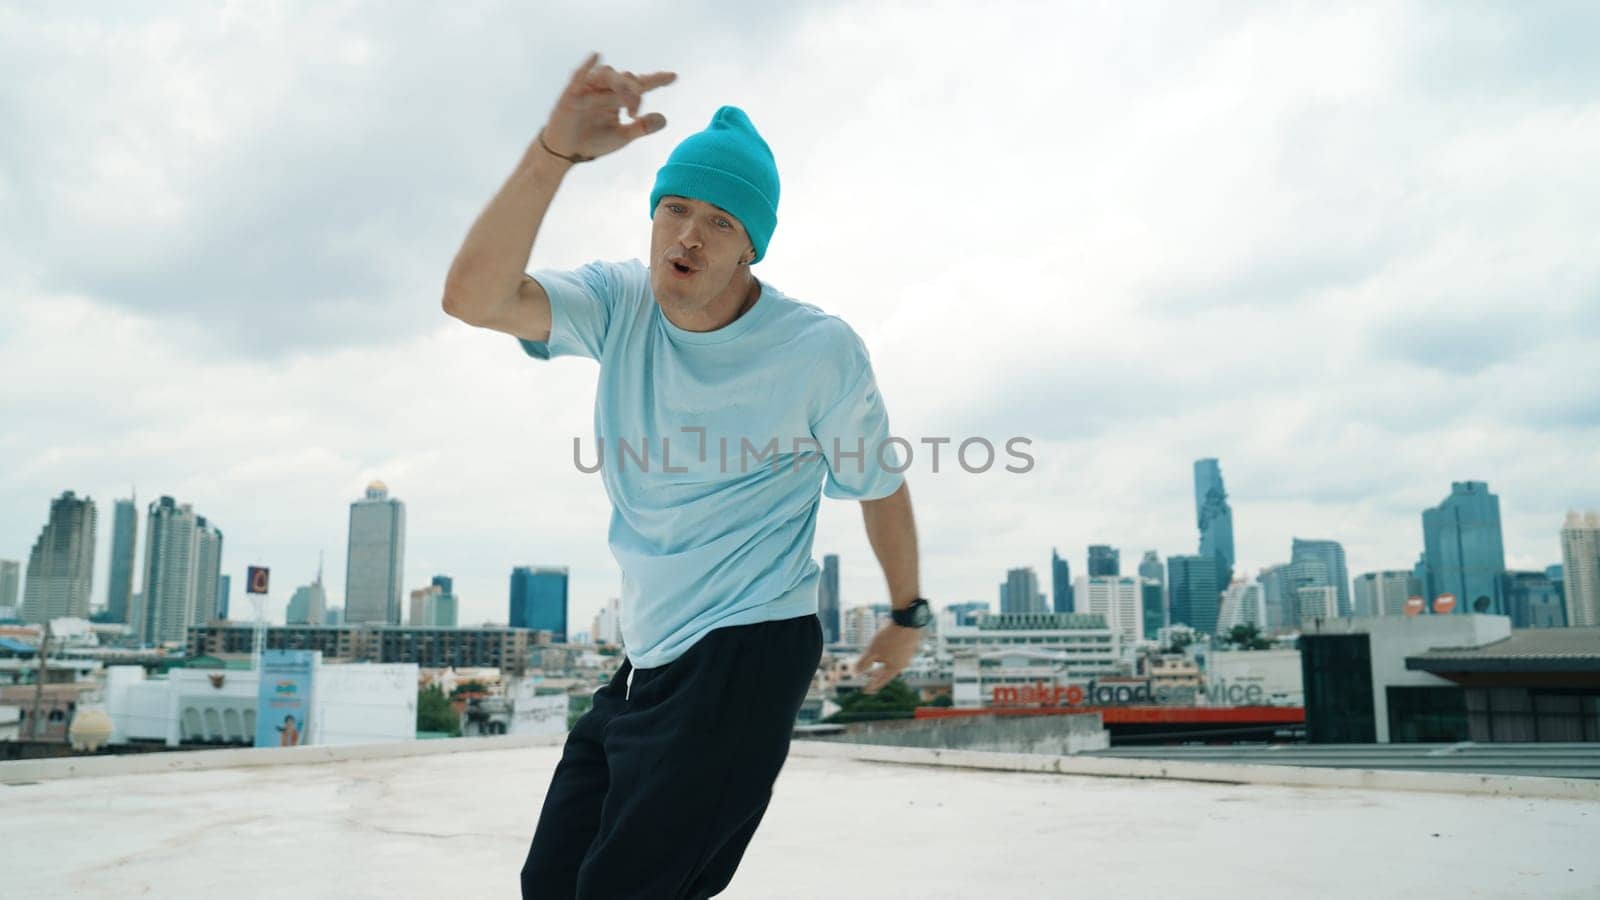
(457, 825)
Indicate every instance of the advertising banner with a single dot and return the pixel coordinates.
(283, 705)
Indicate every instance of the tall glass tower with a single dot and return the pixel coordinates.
(124, 538)
(1466, 556)
(1060, 583)
(1196, 599)
(1215, 518)
(828, 599)
(1315, 563)
(376, 557)
(539, 599)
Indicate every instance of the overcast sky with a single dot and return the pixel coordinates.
(1352, 252)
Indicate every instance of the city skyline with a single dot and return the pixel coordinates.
(580, 611)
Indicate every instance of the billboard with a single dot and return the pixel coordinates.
(283, 703)
(255, 579)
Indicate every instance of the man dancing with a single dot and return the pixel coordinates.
(724, 410)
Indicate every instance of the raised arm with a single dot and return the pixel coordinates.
(487, 285)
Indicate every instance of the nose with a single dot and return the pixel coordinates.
(689, 237)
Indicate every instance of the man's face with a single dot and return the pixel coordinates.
(695, 249)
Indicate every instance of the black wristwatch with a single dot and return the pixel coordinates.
(918, 615)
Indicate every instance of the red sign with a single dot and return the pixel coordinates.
(256, 579)
(1443, 603)
(1415, 605)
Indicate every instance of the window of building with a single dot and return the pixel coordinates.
(1427, 714)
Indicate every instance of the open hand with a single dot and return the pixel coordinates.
(587, 118)
(894, 646)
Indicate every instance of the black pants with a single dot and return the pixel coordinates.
(662, 784)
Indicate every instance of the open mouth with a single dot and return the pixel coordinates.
(681, 268)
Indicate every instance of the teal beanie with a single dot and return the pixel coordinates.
(730, 166)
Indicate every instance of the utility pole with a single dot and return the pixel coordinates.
(38, 688)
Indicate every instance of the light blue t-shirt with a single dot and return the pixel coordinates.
(713, 447)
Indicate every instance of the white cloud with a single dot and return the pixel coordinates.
(1349, 251)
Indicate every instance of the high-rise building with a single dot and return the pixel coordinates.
(539, 599)
(861, 623)
(208, 571)
(446, 606)
(1334, 572)
(377, 549)
(10, 583)
(1153, 604)
(828, 599)
(1241, 605)
(124, 549)
(1155, 607)
(1020, 591)
(177, 545)
(1316, 602)
(1150, 567)
(967, 613)
(1060, 583)
(1534, 600)
(608, 623)
(1192, 585)
(1382, 593)
(224, 587)
(1104, 560)
(1580, 568)
(1117, 598)
(309, 605)
(1466, 556)
(61, 566)
(424, 600)
(1278, 599)
(1215, 517)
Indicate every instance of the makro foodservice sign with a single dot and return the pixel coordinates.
(1125, 693)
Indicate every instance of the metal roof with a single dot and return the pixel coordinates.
(1526, 650)
(1551, 760)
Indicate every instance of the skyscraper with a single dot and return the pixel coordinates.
(309, 605)
(61, 566)
(1118, 599)
(1104, 560)
(1241, 605)
(1153, 605)
(208, 571)
(446, 606)
(1466, 556)
(377, 549)
(424, 602)
(124, 547)
(10, 583)
(539, 599)
(1278, 599)
(1534, 600)
(1192, 584)
(1334, 572)
(1060, 583)
(177, 544)
(224, 587)
(1382, 593)
(1020, 591)
(828, 599)
(1580, 568)
(1215, 517)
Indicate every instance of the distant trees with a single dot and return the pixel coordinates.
(434, 712)
(1248, 637)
